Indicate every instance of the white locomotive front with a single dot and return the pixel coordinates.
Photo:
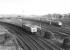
(31, 28)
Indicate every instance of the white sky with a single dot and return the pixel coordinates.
(34, 7)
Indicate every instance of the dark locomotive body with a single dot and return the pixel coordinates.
(57, 24)
(54, 23)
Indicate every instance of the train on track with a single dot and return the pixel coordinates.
(34, 28)
(31, 28)
(54, 23)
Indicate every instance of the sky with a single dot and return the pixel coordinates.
(34, 7)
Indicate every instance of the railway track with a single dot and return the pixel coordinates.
(30, 42)
(59, 29)
(45, 25)
(60, 32)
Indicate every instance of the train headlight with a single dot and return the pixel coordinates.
(33, 29)
(60, 23)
